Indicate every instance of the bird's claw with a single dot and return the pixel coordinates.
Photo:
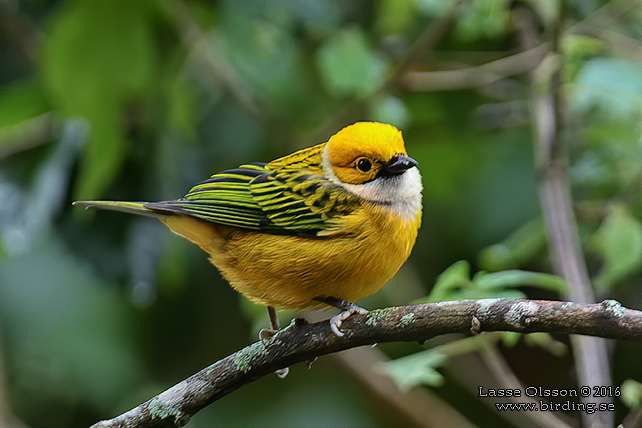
(266, 333)
(281, 373)
(337, 320)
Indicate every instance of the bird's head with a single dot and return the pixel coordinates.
(369, 160)
(364, 151)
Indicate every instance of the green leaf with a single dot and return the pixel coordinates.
(421, 367)
(619, 242)
(611, 85)
(348, 66)
(455, 284)
(455, 276)
(631, 393)
(99, 55)
(519, 278)
(416, 369)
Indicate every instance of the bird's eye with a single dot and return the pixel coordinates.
(364, 165)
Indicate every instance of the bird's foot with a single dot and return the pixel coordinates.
(347, 309)
(266, 333)
(281, 373)
(337, 320)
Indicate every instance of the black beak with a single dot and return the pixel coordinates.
(398, 165)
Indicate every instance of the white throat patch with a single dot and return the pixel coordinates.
(401, 194)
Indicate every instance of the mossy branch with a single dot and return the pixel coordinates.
(301, 342)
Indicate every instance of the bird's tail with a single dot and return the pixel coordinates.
(137, 208)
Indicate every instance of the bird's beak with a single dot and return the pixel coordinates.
(399, 164)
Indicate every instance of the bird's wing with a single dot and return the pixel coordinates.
(258, 197)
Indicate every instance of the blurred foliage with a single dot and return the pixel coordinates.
(420, 368)
(631, 393)
(140, 100)
(455, 283)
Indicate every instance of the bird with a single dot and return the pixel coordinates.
(322, 227)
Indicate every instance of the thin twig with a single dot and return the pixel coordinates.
(473, 77)
(301, 342)
(591, 355)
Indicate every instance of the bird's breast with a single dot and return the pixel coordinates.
(363, 251)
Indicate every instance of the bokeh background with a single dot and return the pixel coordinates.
(139, 100)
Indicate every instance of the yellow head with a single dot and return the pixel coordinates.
(360, 152)
(369, 160)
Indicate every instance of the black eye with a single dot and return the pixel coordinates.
(364, 165)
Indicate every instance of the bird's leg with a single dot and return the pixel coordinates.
(267, 333)
(347, 309)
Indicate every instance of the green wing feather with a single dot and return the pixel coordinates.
(286, 196)
(279, 197)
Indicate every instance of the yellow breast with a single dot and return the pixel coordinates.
(289, 272)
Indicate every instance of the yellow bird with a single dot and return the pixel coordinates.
(327, 225)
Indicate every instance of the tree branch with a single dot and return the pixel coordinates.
(476, 76)
(301, 342)
(591, 355)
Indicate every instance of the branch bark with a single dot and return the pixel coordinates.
(301, 342)
(591, 355)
